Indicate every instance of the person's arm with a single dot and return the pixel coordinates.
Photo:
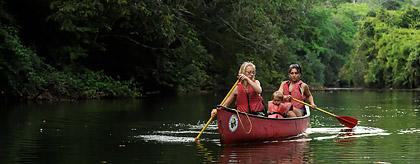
(285, 97)
(227, 102)
(281, 87)
(231, 97)
(308, 94)
(254, 84)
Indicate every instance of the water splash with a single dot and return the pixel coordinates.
(178, 133)
(342, 133)
(165, 138)
(183, 132)
(200, 126)
(409, 131)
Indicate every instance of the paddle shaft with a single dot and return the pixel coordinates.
(315, 107)
(212, 117)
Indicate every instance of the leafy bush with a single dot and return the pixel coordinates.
(23, 74)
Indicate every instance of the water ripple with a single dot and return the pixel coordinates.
(341, 133)
(182, 133)
(409, 131)
(165, 138)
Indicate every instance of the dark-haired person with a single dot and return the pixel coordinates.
(294, 87)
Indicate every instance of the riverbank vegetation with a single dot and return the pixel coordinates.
(72, 49)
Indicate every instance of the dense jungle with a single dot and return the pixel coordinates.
(90, 49)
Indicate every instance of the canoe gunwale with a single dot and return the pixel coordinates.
(265, 117)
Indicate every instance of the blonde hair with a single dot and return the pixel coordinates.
(242, 70)
(277, 94)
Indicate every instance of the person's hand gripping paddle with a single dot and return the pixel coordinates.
(212, 117)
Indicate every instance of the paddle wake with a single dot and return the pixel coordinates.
(165, 139)
(343, 133)
(409, 131)
(183, 133)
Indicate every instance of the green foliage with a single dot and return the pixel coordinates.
(391, 5)
(328, 40)
(16, 62)
(399, 57)
(266, 34)
(387, 51)
(87, 85)
(183, 46)
(410, 18)
(23, 74)
(156, 34)
(185, 71)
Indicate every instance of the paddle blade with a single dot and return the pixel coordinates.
(347, 121)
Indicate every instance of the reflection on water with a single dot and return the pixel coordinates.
(162, 130)
(292, 151)
(273, 152)
(296, 150)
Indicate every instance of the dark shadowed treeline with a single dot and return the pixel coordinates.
(124, 48)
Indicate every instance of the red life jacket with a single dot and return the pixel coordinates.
(249, 101)
(282, 108)
(296, 93)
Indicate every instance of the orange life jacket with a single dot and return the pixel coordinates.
(248, 101)
(278, 111)
(282, 108)
(296, 93)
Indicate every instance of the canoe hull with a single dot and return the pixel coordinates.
(239, 127)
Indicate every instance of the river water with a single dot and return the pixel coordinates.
(161, 129)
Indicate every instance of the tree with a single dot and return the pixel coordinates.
(387, 51)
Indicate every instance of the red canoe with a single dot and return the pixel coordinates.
(239, 127)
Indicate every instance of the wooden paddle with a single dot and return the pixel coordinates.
(345, 120)
(212, 117)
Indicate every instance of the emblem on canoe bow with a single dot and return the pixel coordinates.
(233, 123)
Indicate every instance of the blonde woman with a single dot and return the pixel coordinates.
(247, 92)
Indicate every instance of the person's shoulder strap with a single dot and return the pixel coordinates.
(301, 84)
(286, 86)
